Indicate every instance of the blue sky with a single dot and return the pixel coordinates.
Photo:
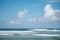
(29, 13)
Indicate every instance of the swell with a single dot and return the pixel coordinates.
(32, 32)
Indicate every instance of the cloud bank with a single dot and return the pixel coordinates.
(50, 15)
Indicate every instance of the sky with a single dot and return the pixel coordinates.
(29, 13)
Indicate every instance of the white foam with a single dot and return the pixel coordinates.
(54, 30)
(15, 32)
(45, 35)
(6, 34)
(29, 32)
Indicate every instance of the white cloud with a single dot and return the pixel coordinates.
(50, 13)
(36, 19)
(14, 22)
(21, 14)
(33, 19)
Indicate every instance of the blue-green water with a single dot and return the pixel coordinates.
(28, 38)
(29, 34)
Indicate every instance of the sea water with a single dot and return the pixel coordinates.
(30, 34)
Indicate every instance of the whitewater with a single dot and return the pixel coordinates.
(30, 34)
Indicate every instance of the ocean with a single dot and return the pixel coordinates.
(29, 34)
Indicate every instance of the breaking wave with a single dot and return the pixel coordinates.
(45, 30)
(32, 32)
(45, 35)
